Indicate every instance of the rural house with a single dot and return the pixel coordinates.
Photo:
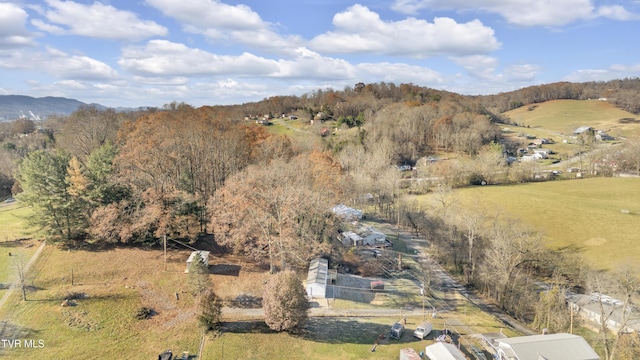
(588, 308)
(371, 236)
(204, 257)
(582, 130)
(346, 213)
(560, 346)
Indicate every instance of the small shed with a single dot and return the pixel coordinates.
(317, 278)
(444, 351)
(349, 238)
(204, 257)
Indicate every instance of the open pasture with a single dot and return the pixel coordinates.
(564, 116)
(587, 214)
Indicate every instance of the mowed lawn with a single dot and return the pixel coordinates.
(564, 116)
(584, 213)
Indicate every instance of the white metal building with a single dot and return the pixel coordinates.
(444, 351)
(559, 346)
(318, 278)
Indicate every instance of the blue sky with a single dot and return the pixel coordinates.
(207, 52)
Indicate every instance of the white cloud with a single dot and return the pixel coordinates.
(12, 30)
(227, 23)
(478, 66)
(58, 64)
(360, 30)
(616, 12)
(76, 67)
(523, 12)
(203, 14)
(525, 72)
(311, 65)
(96, 20)
(399, 73)
(165, 58)
(162, 58)
(616, 71)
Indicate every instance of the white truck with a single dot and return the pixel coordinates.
(423, 330)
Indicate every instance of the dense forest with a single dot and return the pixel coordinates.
(104, 177)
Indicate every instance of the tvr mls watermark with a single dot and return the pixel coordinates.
(22, 343)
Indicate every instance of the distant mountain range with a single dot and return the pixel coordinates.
(16, 106)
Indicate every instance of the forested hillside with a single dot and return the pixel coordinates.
(119, 177)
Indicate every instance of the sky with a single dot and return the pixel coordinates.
(206, 52)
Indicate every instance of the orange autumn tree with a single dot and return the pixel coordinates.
(275, 213)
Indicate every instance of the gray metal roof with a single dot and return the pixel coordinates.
(318, 269)
(560, 346)
(444, 351)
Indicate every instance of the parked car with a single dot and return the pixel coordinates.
(423, 330)
(396, 331)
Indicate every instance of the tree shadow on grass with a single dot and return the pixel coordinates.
(26, 241)
(246, 327)
(327, 330)
(225, 269)
(340, 330)
(11, 331)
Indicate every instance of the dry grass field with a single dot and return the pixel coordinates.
(564, 116)
(586, 214)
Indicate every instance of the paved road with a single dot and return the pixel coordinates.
(448, 284)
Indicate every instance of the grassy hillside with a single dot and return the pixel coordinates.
(564, 116)
(584, 213)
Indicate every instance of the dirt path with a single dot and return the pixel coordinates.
(26, 270)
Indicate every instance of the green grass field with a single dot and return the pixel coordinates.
(15, 237)
(14, 222)
(564, 116)
(584, 213)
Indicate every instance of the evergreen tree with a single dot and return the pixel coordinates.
(210, 309)
(198, 276)
(103, 190)
(46, 181)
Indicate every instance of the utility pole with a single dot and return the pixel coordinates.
(165, 252)
(422, 292)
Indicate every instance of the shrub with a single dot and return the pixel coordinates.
(285, 302)
(144, 313)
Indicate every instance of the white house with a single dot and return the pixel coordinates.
(204, 257)
(544, 152)
(560, 346)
